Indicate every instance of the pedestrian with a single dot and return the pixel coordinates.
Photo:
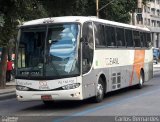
(9, 70)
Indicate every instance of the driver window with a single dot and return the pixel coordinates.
(87, 47)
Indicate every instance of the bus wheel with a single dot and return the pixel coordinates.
(48, 103)
(100, 91)
(141, 81)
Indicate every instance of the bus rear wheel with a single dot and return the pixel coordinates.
(100, 91)
(141, 80)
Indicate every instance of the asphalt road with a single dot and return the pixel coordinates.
(129, 102)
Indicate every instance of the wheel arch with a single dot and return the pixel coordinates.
(103, 77)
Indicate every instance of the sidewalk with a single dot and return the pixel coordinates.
(9, 91)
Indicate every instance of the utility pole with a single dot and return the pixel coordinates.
(97, 7)
(139, 3)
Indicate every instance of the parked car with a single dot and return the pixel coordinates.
(156, 55)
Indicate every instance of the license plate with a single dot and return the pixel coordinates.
(46, 97)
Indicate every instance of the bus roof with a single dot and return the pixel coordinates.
(80, 19)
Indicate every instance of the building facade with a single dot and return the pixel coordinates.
(149, 16)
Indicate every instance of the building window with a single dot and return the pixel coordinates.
(153, 1)
(153, 11)
(158, 12)
(139, 19)
(158, 1)
(148, 9)
(149, 22)
(145, 9)
(145, 21)
(158, 23)
(153, 23)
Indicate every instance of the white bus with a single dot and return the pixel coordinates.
(75, 58)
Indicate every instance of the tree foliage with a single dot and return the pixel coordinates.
(12, 12)
(117, 10)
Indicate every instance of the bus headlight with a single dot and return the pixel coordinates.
(71, 86)
(22, 88)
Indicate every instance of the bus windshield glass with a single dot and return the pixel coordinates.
(48, 52)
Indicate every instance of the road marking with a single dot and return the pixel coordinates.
(127, 99)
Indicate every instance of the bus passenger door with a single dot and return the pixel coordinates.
(87, 60)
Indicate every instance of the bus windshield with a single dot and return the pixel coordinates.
(48, 51)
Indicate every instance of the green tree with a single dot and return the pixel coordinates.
(1, 20)
(118, 10)
(15, 11)
(69, 7)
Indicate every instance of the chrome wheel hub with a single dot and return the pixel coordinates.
(99, 91)
(141, 80)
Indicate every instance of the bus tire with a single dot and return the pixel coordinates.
(141, 80)
(99, 91)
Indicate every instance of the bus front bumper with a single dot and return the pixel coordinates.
(73, 94)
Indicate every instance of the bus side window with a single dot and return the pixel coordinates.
(87, 49)
(142, 39)
(99, 35)
(110, 36)
(120, 37)
(149, 41)
(129, 38)
(136, 37)
(145, 40)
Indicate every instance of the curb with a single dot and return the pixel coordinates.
(8, 95)
(156, 70)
